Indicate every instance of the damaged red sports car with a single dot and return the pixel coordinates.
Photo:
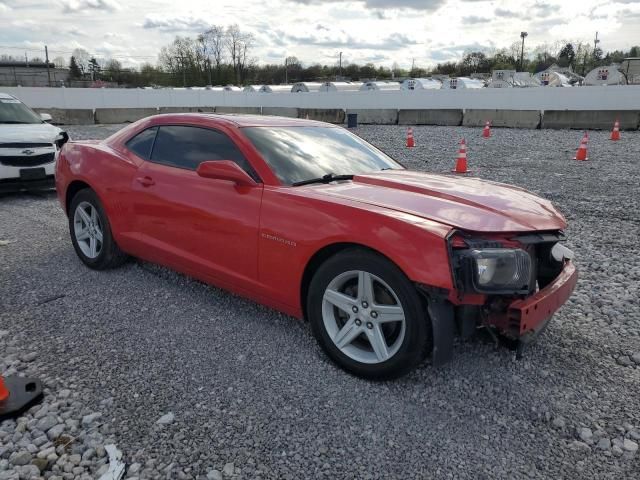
(387, 264)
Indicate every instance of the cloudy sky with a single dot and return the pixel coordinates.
(378, 31)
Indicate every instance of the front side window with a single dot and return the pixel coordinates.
(187, 147)
(297, 154)
(142, 143)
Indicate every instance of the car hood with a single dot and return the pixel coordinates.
(466, 203)
(32, 132)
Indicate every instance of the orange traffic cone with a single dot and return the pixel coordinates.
(17, 394)
(4, 392)
(615, 134)
(486, 132)
(581, 153)
(410, 142)
(461, 161)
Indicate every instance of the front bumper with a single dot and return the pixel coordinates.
(12, 179)
(532, 314)
(16, 185)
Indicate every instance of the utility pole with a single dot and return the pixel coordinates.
(286, 73)
(46, 56)
(340, 65)
(596, 41)
(523, 35)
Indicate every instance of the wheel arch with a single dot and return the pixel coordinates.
(322, 255)
(72, 189)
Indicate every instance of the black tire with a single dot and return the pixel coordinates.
(110, 255)
(417, 337)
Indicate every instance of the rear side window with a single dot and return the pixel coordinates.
(187, 147)
(142, 143)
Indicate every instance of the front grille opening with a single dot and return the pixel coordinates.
(548, 268)
(25, 145)
(27, 161)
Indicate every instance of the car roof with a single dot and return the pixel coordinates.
(241, 120)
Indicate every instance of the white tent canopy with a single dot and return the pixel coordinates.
(379, 86)
(609, 75)
(306, 87)
(275, 89)
(462, 83)
(553, 79)
(631, 69)
(340, 86)
(420, 84)
(525, 79)
(511, 78)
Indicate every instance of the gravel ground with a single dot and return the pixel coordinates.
(190, 381)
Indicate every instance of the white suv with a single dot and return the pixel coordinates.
(27, 146)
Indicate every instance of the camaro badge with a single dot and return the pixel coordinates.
(291, 243)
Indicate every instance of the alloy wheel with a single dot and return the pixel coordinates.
(363, 317)
(88, 229)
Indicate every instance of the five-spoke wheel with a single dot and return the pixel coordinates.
(363, 317)
(91, 232)
(367, 315)
(87, 229)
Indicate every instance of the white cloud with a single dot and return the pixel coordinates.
(71, 6)
(381, 31)
(168, 23)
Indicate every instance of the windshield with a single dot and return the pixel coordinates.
(296, 154)
(14, 111)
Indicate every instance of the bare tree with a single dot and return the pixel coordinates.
(60, 62)
(238, 46)
(182, 57)
(214, 39)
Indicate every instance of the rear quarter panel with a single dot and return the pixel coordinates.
(107, 172)
(296, 224)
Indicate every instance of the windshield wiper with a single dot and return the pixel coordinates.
(329, 177)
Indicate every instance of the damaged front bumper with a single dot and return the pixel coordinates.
(520, 320)
(532, 314)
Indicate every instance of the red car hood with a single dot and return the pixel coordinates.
(466, 203)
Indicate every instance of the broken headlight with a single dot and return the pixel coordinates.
(497, 270)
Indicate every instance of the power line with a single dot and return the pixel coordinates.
(70, 52)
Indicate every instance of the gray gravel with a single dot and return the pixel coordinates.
(249, 394)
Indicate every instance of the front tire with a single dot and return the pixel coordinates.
(91, 233)
(367, 315)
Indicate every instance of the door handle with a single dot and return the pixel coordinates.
(145, 181)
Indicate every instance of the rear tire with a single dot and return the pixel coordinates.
(91, 232)
(367, 315)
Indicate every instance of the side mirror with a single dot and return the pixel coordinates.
(225, 170)
(61, 139)
(45, 117)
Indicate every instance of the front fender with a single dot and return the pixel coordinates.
(295, 227)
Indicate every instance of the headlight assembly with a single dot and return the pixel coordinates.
(496, 270)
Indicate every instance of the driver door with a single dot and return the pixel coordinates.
(204, 227)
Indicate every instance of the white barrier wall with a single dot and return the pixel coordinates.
(577, 98)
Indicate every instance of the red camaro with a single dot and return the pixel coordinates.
(387, 264)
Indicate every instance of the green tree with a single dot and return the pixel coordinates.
(567, 56)
(74, 69)
(94, 69)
